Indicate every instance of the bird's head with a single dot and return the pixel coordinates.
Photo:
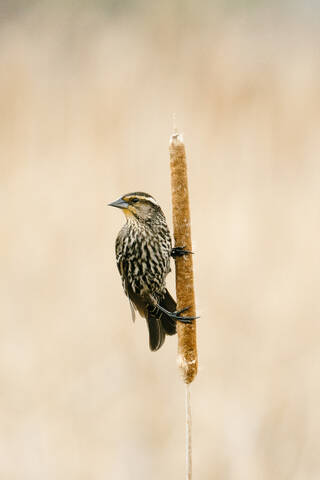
(138, 206)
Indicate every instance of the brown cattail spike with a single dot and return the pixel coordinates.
(187, 344)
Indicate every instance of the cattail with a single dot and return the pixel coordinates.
(187, 340)
(187, 345)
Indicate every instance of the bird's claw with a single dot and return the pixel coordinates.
(180, 252)
(177, 314)
(184, 319)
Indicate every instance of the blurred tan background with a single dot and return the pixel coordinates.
(87, 92)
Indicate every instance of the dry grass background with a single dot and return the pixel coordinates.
(86, 101)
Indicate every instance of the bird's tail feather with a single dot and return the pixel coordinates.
(156, 332)
(169, 324)
(160, 324)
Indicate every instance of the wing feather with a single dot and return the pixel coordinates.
(133, 311)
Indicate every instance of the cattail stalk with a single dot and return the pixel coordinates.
(187, 342)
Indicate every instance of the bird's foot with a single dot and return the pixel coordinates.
(177, 314)
(179, 252)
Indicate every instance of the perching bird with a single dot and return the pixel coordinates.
(143, 251)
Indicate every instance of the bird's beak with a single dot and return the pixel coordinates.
(120, 203)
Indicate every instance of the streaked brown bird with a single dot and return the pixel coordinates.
(143, 251)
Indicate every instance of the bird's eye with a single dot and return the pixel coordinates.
(135, 200)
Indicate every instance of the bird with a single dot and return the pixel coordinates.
(143, 249)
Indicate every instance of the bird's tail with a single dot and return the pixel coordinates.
(160, 324)
(169, 324)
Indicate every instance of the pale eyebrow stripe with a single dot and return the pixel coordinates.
(149, 199)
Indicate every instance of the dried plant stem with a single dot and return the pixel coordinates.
(187, 341)
(188, 434)
(187, 344)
